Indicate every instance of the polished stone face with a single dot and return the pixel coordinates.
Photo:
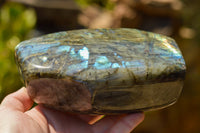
(102, 71)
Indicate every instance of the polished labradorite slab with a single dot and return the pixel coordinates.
(102, 71)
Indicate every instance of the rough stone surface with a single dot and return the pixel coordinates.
(102, 71)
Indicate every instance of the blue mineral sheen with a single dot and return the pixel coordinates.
(102, 71)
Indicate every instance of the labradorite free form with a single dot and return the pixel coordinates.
(102, 71)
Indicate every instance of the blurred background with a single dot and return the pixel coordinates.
(180, 19)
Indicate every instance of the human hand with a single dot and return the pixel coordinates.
(15, 117)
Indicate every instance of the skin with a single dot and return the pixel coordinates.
(17, 117)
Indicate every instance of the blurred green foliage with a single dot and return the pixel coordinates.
(15, 23)
(106, 4)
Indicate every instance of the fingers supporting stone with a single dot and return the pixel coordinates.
(19, 101)
(127, 123)
(61, 121)
(118, 124)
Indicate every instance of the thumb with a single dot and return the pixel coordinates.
(19, 101)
